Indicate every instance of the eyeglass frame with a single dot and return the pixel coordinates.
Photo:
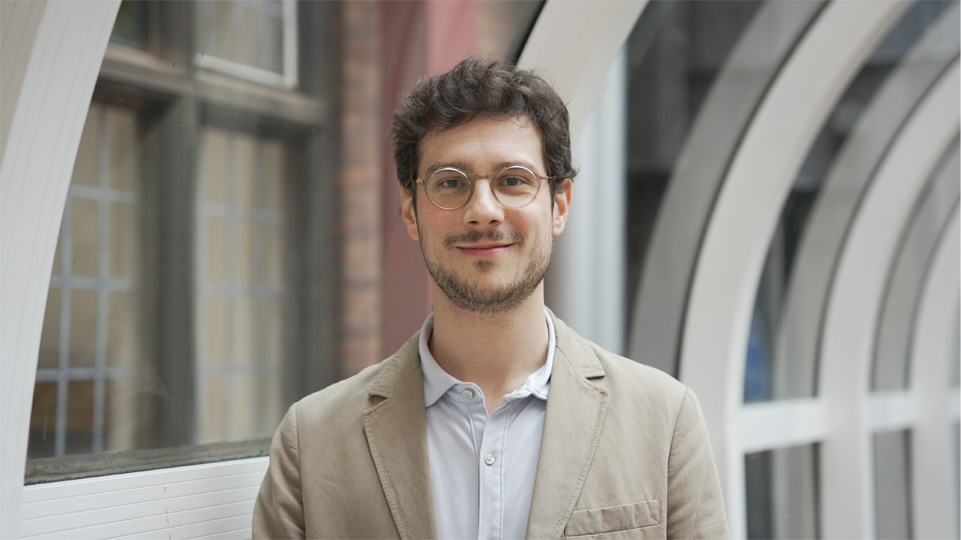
(472, 180)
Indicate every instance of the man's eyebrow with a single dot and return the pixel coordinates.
(434, 167)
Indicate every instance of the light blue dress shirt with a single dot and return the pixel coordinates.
(482, 466)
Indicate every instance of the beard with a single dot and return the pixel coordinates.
(468, 296)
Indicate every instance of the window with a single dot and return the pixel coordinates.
(223, 246)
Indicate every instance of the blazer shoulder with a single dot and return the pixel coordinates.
(352, 396)
(627, 377)
(343, 398)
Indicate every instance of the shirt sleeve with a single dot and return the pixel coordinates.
(279, 510)
(695, 506)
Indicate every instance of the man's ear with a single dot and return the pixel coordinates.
(408, 212)
(562, 204)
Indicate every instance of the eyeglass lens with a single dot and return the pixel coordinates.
(451, 188)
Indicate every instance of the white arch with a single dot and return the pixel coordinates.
(932, 498)
(577, 64)
(734, 96)
(891, 357)
(795, 352)
(722, 297)
(55, 49)
(855, 300)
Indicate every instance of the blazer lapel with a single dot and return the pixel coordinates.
(572, 427)
(397, 435)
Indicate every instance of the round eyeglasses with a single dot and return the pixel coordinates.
(450, 188)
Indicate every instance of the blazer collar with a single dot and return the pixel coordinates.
(572, 428)
(396, 430)
(397, 435)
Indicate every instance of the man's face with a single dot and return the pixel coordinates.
(486, 257)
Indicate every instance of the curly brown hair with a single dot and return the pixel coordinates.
(474, 88)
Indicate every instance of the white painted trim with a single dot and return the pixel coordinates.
(575, 63)
(659, 303)
(890, 411)
(722, 297)
(171, 503)
(795, 353)
(850, 321)
(780, 424)
(932, 503)
(891, 358)
(63, 60)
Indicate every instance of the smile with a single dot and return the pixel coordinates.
(484, 250)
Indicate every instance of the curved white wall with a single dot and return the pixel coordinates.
(57, 48)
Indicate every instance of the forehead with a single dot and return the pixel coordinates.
(483, 145)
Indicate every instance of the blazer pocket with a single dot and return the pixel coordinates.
(613, 518)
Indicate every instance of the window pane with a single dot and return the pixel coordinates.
(892, 458)
(248, 39)
(782, 493)
(676, 57)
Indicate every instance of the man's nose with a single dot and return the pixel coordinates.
(483, 208)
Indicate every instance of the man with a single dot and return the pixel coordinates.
(496, 420)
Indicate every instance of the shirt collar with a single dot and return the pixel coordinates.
(437, 381)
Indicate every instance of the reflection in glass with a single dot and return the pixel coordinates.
(97, 264)
(253, 39)
(221, 251)
(782, 493)
(892, 486)
(674, 54)
(239, 290)
(794, 284)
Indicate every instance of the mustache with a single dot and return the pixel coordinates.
(472, 237)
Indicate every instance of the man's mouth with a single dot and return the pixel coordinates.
(484, 250)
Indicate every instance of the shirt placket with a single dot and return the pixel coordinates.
(491, 463)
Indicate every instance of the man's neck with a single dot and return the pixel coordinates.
(494, 351)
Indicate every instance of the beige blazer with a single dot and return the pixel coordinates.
(625, 454)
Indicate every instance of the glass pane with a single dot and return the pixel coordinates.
(80, 416)
(678, 84)
(782, 357)
(782, 493)
(247, 39)
(43, 421)
(131, 24)
(225, 241)
(892, 462)
(50, 337)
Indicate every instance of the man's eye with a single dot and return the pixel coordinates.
(450, 183)
(515, 181)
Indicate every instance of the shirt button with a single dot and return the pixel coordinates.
(468, 394)
(489, 459)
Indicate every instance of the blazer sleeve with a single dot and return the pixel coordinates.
(279, 510)
(695, 507)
